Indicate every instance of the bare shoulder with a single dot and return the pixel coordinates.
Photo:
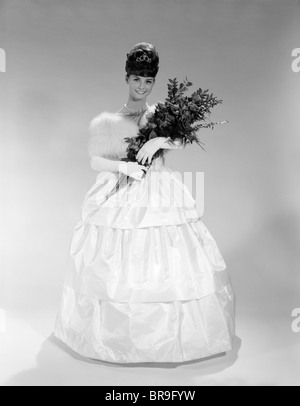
(122, 111)
(152, 107)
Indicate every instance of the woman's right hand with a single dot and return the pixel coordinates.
(132, 169)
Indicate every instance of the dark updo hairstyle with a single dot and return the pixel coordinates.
(142, 60)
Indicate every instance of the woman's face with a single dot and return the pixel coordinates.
(140, 87)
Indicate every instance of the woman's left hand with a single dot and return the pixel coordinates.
(149, 149)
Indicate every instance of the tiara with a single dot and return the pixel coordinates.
(144, 57)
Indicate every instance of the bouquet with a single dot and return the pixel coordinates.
(179, 117)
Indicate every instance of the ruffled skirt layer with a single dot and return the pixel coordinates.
(145, 283)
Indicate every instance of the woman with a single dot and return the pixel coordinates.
(145, 281)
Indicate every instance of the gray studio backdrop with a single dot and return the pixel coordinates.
(65, 64)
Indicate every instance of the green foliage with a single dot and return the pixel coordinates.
(179, 117)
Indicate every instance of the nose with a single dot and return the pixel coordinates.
(141, 86)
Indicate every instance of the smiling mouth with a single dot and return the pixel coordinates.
(140, 92)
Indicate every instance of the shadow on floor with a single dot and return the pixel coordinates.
(57, 365)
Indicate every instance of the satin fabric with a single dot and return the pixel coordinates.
(145, 280)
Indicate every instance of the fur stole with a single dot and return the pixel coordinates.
(106, 135)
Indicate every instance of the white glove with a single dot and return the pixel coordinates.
(150, 148)
(132, 169)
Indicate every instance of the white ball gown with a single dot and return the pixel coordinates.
(145, 280)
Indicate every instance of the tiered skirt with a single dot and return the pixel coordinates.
(145, 280)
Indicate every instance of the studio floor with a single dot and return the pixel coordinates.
(264, 355)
